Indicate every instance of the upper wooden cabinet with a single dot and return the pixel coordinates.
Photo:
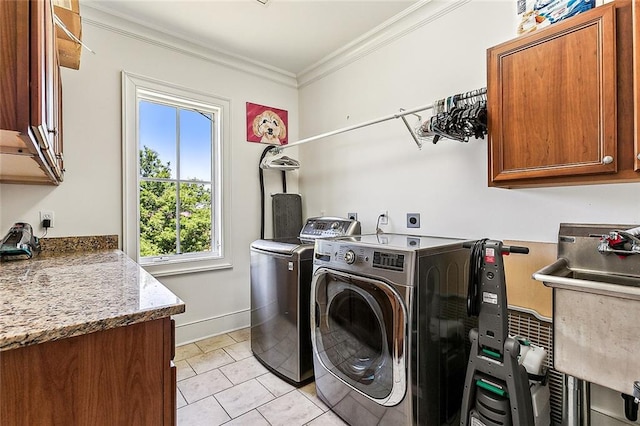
(635, 27)
(30, 111)
(560, 103)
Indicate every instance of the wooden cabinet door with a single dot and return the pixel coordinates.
(41, 118)
(58, 146)
(46, 85)
(14, 81)
(636, 80)
(119, 376)
(552, 101)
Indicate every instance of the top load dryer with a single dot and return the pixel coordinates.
(280, 283)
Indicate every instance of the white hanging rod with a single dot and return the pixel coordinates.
(358, 126)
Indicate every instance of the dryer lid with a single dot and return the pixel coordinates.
(401, 241)
(281, 245)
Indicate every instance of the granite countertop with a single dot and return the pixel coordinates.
(52, 297)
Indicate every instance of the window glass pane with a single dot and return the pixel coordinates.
(195, 217)
(157, 133)
(195, 145)
(157, 218)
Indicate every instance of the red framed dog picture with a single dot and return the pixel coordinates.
(266, 125)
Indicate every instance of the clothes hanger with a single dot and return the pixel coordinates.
(279, 162)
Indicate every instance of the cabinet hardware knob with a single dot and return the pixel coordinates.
(638, 156)
(607, 159)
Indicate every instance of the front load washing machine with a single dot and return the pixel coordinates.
(389, 328)
(280, 286)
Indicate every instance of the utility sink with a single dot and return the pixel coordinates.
(561, 275)
(596, 308)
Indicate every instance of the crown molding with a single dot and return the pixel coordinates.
(413, 18)
(128, 27)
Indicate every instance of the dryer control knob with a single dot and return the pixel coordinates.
(350, 257)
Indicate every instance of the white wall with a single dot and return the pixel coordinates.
(89, 201)
(380, 167)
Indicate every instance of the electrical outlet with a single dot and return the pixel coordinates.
(46, 214)
(384, 217)
(413, 242)
(352, 216)
(413, 220)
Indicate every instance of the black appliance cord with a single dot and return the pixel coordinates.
(284, 181)
(261, 175)
(475, 276)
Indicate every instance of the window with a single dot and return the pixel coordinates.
(175, 185)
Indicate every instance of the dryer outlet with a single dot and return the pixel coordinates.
(413, 220)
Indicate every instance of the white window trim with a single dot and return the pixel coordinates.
(131, 85)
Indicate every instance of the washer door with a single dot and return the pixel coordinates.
(358, 334)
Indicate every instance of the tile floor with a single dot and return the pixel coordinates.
(220, 382)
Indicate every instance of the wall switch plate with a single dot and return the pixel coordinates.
(48, 215)
(352, 216)
(413, 220)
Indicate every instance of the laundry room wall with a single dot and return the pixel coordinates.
(440, 52)
(380, 168)
(89, 201)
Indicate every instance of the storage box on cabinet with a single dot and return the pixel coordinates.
(561, 103)
(30, 113)
(69, 50)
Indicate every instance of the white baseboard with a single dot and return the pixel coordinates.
(212, 326)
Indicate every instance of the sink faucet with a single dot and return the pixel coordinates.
(622, 243)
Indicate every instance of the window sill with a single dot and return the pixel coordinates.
(163, 269)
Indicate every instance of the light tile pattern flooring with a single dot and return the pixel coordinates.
(220, 382)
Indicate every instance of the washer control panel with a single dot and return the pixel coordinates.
(387, 260)
(351, 257)
(327, 227)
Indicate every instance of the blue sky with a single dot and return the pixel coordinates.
(157, 130)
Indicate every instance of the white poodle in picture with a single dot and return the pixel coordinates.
(269, 127)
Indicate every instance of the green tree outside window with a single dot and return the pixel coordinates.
(160, 221)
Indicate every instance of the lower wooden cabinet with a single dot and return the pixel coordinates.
(120, 376)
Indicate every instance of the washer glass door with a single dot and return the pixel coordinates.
(359, 334)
